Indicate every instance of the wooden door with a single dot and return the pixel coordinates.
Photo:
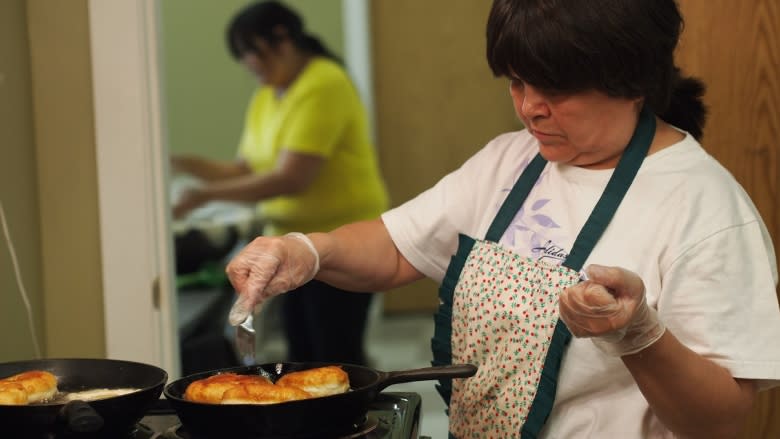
(734, 46)
(437, 103)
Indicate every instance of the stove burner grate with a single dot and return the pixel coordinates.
(362, 430)
(137, 431)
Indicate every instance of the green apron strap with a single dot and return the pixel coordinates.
(594, 227)
(514, 201)
(613, 194)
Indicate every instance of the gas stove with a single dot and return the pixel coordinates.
(392, 415)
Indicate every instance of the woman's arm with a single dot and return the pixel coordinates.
(294, 172)
(691, 395)
(359, 256)
(362, 257)
(208, 169)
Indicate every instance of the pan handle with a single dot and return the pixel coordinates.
(81, 417)
(426, 373)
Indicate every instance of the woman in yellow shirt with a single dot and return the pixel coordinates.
(306, 158)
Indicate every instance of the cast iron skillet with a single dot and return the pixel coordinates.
(309, 418)
(110, 417)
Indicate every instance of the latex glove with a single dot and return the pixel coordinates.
(610, 307)
(267, 267)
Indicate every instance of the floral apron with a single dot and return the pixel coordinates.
(499, 311)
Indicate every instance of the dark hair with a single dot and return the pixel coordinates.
(263, 19)
(624, 48)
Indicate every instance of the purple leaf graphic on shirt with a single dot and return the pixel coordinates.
(544, 220)
(538, 204)
(530, 224)
(527, 222)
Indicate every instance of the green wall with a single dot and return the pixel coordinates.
(205, 91)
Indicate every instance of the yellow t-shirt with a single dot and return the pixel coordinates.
(320, 113)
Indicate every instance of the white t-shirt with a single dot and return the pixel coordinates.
(685, 226)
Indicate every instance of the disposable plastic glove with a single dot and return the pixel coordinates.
(610, 307)
(267, 267)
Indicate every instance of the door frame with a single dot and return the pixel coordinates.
(140, 306)
(137, 262)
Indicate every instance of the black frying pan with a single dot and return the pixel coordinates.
(110, 417)
(309, 418)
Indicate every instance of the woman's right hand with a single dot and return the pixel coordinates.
(611, 308)
(270, 266)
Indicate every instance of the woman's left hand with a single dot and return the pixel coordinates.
(611, 308)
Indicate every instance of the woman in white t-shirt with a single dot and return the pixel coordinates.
(608, 277)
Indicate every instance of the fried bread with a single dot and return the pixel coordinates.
(28, 387)
(263, 394)
(212, 389)
(321, 381)
(231, 388)
(12, 394)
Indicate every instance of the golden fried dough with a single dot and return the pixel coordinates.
(37, 386)
(263, 394)
(12, 394)
(231, 388)
(211, 390)
(322, 381)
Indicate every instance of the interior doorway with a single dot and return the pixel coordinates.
(131, 137)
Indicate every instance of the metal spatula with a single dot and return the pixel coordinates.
(245, 344)
(245, 341)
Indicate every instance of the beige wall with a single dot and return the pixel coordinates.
(67, 177)
(18, 187)
(49, 180)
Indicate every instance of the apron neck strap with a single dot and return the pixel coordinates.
(605, 208)
(514, 201)
(616, 189)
